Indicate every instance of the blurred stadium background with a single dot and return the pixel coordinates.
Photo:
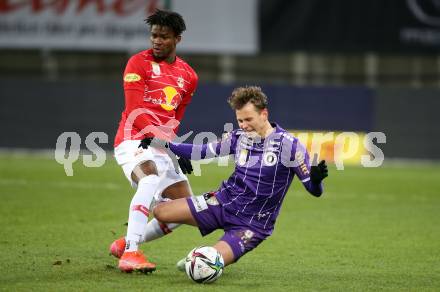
(326, 65)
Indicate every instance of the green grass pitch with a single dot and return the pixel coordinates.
(374, 229)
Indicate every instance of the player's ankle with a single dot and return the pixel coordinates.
(131, 245)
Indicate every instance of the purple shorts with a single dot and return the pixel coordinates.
(210, 216)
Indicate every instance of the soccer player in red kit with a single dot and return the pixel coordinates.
(158, 86)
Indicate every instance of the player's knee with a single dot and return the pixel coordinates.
(177, 190)
(144, 169)
(160, 213)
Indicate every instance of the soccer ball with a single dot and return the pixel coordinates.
(204, 264)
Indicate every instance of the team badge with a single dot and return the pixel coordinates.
(270, 159)
(131, 77)
(180, 82)
(156, 68)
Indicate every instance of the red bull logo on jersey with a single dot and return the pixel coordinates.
(170, 95)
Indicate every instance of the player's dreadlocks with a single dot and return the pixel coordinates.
(167, 18)
(242, 95)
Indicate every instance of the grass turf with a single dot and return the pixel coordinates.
(374, 229)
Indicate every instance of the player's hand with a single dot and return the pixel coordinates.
(185, 165)
(318, 172)
(154, 142)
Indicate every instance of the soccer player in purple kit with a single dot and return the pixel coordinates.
(247, 204)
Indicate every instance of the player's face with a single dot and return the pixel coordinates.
(163, 42)
(251, 120)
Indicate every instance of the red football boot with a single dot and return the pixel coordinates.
(117, 248)
(135, 261)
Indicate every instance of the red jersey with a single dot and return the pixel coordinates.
(156, 95)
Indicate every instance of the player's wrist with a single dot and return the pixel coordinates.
(316, 180)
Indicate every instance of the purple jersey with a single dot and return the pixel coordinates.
(264, 169)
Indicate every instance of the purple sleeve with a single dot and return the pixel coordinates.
(220, 148)
(302, 169)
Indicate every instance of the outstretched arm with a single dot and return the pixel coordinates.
(310, 176)
(317, 174)
(192, 151)
(201, 151)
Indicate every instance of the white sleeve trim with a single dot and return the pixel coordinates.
(306, 179)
